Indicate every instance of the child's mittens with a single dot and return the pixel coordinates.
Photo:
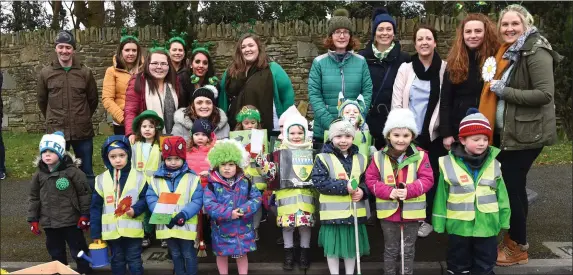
(178, 220)
(84, 223)
(35, 228)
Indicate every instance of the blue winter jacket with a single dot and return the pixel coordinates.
(328, 77)
(173, 179)
(96, 207)
(231, 237)
(329, 186)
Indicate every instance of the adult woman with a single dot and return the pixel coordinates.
(252, 79)
(126, 62)
(384, 56)
(519, 102)
(338, 70)
(155, 88)
(202, 66)
(202, 106)
(476, 40)
(417, 87)
(177, 52)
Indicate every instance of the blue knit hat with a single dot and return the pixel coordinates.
(381, 15)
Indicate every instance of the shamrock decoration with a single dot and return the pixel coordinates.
(194, 79)
(62, 184)
(213, 80)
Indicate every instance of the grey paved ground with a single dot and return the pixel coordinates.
(550, 220)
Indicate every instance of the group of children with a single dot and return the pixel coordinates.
(226, 186)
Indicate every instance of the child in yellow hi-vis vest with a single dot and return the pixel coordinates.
(118, 205)
(173, 179)
(399, 176)
(146, 155)
(332, 174)
(471, 202)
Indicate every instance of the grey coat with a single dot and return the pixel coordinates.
(183, 125)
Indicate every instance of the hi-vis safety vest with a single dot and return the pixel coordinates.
(414, 208)
(334, 207)
(289, 201)
(151, 165)
(255, 177)
(463, 191)
(186, 188)
(123, 226)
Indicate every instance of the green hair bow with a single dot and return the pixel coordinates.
(198, 47)
(125, 35)
(177, 38)
(156, 47)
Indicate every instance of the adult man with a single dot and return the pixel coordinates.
(68, 98)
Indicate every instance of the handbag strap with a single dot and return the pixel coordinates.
(381, 86)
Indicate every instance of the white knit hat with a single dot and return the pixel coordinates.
(295, 120)
(340, 127)
(400, 118)
(54, 142)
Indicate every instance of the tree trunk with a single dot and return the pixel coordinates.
(56, 10)
(118, 14)
(81, 14)
(96, 15)
(142, 13)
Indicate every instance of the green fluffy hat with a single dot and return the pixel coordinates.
(228, 150)
(340, 20)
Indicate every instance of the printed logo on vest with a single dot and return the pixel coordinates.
(390, 179)
(109, 199)
(464, 178)
(139, 165)
(342, 176)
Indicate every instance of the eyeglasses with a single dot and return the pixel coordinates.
(158, 64)
(341, 33)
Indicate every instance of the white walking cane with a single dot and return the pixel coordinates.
(354, 186)
(401, 186)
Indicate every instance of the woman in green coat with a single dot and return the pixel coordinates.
(338, 70)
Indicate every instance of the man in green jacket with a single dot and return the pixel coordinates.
(471, 201)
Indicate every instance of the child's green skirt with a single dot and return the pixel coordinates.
(338, 240)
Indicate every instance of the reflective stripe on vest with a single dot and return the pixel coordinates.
(151, 165)
(289, 201)
(334, 207)
(413, 208)
(113, 227)
(256, 178)
(186, 188)
(463, 191)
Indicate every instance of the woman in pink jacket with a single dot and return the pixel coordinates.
(399, 176)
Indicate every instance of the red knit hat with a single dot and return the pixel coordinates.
(173, 146)
(475, 123)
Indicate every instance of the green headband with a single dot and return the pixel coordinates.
(247, 113)
(156, 47)
(125, 35)
(177, 38)
(198, 47)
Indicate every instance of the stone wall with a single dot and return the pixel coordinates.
(292, 44)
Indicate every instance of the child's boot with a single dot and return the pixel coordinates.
(304, 258)
(289, 259)
(512, 254)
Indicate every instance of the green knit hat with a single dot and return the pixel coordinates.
(147, 114)
(247, 113)
(340, 20)
(228, 150)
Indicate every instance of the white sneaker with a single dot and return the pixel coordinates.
(425, 230)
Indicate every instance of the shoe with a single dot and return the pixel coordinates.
(512, 253)
(288, 263)
(425, 230)
(163, 244)
(304, 258)
(280, 241)
(504, 242)
(256, 234)
(2, 175)
(146, 242)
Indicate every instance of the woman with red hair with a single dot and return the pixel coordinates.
(476, 40)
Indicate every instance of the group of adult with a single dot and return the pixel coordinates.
(181, 89)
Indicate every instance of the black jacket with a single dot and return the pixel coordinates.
(187, 88)
(456, 99)
(382, 92)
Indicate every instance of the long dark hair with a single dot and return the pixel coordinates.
(121, 64)
(139, 137)
(210, 71)
(170, 78)
(183, 63)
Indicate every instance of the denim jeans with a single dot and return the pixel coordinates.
(183, 255)
(471, 255)
(56, 239)
(84, 150)
(126, 251)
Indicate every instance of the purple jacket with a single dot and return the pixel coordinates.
(231, 237)
(420, 186)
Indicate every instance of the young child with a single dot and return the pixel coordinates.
(333, 172)
(248, 118)
(353, 111)
(146, 156)
(231, 202)
(174, 177)
(59, 200)
(290, 112)
(470, 175)
(399, 176)
(201, 141)
(297, 213)
(113, 187)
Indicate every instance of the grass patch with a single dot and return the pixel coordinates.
(22, 149)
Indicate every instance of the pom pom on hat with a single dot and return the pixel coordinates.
(341, 12)
(400, 118)
(340, 127)
(475, 123)
(55, 142)
(340, 20)
(228, 150)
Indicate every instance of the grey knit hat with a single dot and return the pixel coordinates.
(340, 20)
(65, 37)
(340, 127)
